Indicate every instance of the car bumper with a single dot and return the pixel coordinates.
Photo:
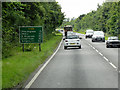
(113, 45)
(98, 39)
(72, 44)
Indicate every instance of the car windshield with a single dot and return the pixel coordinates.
(113, 38)
(89, 32)
(98, 33)
(72, 37)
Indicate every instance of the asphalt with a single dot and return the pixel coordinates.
(80, 68)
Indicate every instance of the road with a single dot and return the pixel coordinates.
(92, 66)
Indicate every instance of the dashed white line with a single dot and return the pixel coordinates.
(113, 65)
(101, 54)
(105, 58)
(93, 48)
(96, 50)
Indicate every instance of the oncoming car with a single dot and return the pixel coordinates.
(113, 42)
(98, 36)
(72, 41)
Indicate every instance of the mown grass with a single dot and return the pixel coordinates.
(17, 68)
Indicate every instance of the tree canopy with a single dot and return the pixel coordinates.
(105, 18)
(15, 14)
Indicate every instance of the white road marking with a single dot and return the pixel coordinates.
(113, 65)
(101, 54)
(41, 69)
(96, 50)
(93, 48)
(105, 58)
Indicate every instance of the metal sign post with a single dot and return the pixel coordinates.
(39, 46)
(23, 47)
(30, 34)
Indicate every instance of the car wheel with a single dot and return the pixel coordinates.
(107, 46)
(92, 40)
(65, 47)
(79, 47)
(118, 46)
(103, 40)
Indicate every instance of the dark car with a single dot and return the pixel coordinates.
(113, 42)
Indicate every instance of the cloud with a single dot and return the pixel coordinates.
(74, 8)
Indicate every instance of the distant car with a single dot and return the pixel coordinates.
(72, 41)
(98, 36)
(113, 42)
(70, 33)
(89, 33)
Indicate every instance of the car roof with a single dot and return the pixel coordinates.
(112, 37)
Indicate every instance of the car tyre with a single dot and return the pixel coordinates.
(79, 47)
(92, 40)
(107, 46)
(103, 40)
(65, 47)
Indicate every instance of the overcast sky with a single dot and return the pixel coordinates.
(75, 8)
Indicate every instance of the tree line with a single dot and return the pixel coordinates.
(105, 18)
(15, 14)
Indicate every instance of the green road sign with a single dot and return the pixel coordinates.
(30, 34)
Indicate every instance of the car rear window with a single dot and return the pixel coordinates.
(113, 38)
(72, 37)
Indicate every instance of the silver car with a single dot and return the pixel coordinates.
(98, 36)
(72, 41)
(113, 42)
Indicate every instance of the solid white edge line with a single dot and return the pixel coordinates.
(41, 69)
(113, 65)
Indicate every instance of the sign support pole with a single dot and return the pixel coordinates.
(39, 46)
(23, 47)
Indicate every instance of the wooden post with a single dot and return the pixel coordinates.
(39, 47)
(23, 47)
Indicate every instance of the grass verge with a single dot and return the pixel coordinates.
(17, 68)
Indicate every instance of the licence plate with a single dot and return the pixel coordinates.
(72, 43)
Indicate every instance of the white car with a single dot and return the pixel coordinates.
(89, 33)
(72, 41)
(98, 36)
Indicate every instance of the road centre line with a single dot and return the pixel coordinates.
(93, 48)
(113, 65)
(105, 58)
(101, 54)
(41, 69)
(96, 50)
